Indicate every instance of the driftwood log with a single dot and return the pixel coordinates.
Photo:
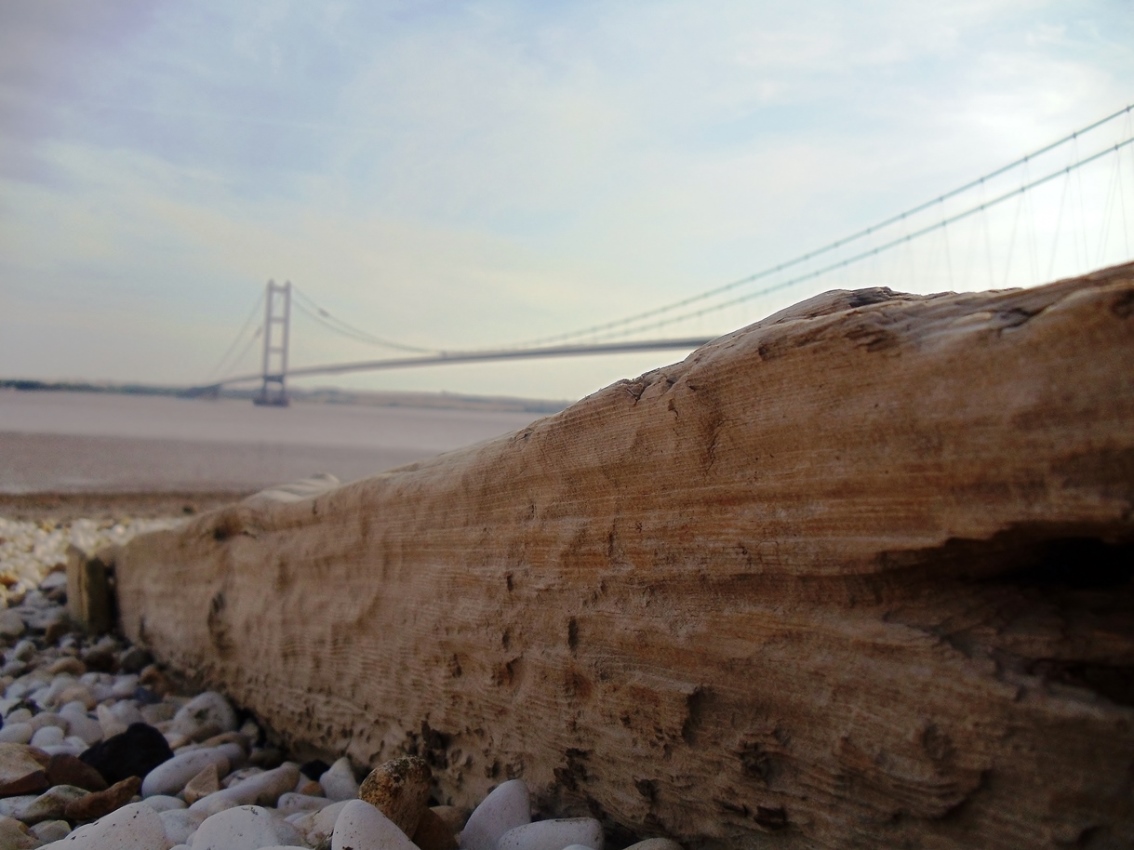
(859, 575)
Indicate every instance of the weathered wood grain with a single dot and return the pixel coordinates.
(856, 576)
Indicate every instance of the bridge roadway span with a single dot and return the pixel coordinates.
(447, 357)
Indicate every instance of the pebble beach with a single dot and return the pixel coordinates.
(101, 747)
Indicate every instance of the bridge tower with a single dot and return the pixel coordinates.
(277, 318)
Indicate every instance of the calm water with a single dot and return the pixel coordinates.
(100, 442)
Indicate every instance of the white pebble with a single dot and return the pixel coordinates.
(66, 748)
(203, 716)
(318, 826)
(109, 721)
(360, 826)
(47, 736)
(291, 803)
(163, 803)
(507, 807)
(51, 830)
(179, 824)
(82, 725)
(133, 827)
(10, 805)
(171, 776)
(338, 781)
(262, 789)
(16, 733)
(244, 828)
(11, 623)
(124, 686)
(553, 835)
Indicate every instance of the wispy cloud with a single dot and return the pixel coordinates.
(467, 174)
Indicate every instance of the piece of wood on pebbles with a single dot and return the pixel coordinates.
(859, 574)
(88, 590)
(399, 789)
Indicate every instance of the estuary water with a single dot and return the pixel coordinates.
(70, 442)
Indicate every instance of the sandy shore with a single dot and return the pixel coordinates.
(70, 506)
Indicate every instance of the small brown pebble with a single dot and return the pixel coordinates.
(455, 817)
(22, 770)
(66, 769)
(154, 679)
(202, 785)
(98, 803)
(227, 738)
(433, 833)
(135, 660)
(39, 755)
(311, 788)
(267, 758)
(400, 790)
(16, 836)
(67, 665)
(100, 661)
(77, 693)
(56, 629)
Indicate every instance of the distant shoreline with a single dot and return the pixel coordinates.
(319, 395)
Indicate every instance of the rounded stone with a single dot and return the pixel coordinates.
(171, 776)
(360, 826)
(244, 828)
(505, 808)
(338, 781)
(134, 752)
(553, 835)
(399, 789)
(133, 827)
(99, 803)
(179, 824)
(319, 825)
(70, 770)
(49, 830)
(205, 715)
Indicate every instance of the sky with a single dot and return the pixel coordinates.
(472, 175)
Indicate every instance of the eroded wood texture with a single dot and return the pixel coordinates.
(856, 576)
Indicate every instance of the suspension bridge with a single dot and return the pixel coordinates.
(1057, 211)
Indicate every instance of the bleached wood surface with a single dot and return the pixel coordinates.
(856, 576)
